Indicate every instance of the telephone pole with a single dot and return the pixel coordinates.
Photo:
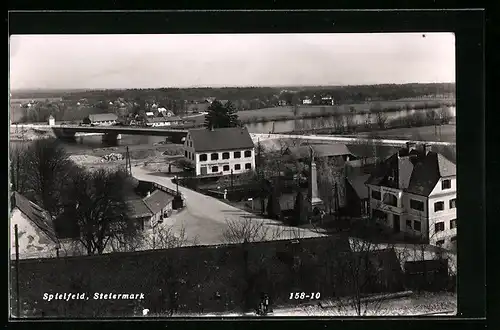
(128, 163)
(18, 299)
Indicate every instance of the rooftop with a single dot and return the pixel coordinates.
(320, 150)
(38, 216)
(357, 182)
(231, 138)
(103, 117)
(138, 209)
(158, 200)
(412, 170)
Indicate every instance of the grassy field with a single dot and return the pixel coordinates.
(445, 133)
(287, 111)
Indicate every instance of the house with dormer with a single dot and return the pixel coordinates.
(413, 192)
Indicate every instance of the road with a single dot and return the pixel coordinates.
(205, 218)
(335, 138)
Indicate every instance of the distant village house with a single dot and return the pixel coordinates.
(101, 119)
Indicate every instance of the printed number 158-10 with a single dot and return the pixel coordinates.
(303, 295)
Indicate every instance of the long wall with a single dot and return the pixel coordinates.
(206, 278)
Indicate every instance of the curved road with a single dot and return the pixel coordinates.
(206, 218)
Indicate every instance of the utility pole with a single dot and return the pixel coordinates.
(177, 184)
(128, 163)
(18, 299)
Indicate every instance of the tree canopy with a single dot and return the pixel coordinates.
(221, 115)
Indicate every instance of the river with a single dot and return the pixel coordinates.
(91, 142)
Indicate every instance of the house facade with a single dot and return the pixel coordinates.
(101, 119)
(413, 192)
(163, 121)
(36, 235)
(220, 151)
(160, 205)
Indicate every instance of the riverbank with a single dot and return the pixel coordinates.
(156, 158)
(282, 113)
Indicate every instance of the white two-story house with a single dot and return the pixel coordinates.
(220, 151)
(414, 193)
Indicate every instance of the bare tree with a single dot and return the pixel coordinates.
(349, 123)
(249, 229)
(330, 183)
(381, 119)
(166, 237)
(445, 115)
(358, 274)
(97, 202)
(41, 171)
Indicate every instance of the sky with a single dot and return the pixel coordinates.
(228, 60)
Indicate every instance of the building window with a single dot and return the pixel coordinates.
(438, 206)
(192, 156)
(215, 169)
(438, 226)
(203, 157)
(214, 156)
(248, 166)
(416, 205)
(185, 153)
(248, 153)
(225, 155)
(408, 224)
(417, 225)
(453, 223)
(446, 184)
(440, 242)
(225, 168)
(390, 199)
(453, 239)
(237, 166)
(237, 154)
(453, 203)
(189, 154)
(376, 195)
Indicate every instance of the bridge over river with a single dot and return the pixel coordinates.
(177, 135)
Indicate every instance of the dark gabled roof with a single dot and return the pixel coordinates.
(423, 176)
(219, 139)
(38, 216)
(357, 182)
(103, 117)
(380, 175)
(320, 150)
(446, 167)
(137, 208)
(158, 200)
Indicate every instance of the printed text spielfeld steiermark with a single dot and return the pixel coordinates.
(96, 296)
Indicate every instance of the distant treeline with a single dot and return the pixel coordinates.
(266, 95)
